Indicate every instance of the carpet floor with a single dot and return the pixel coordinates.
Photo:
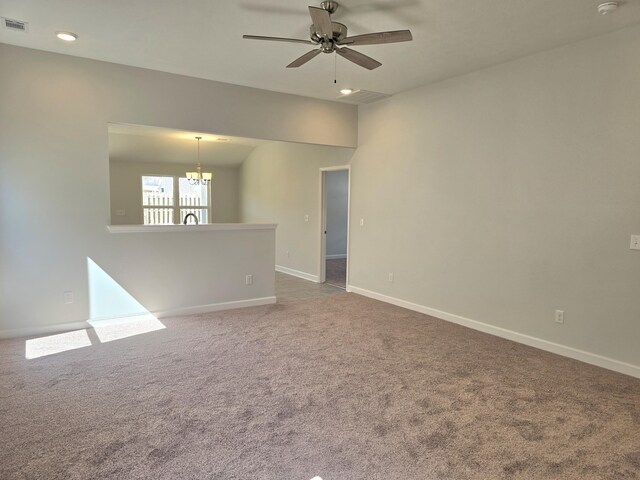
(341, 387)
(293, 288)
(336, 272)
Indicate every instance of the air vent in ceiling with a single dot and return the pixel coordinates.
(363, 96)
(15, 25)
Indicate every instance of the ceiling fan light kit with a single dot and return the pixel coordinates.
(332, 37)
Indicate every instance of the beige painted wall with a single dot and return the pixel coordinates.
(280, 183)
(511, 192)
(54, 111)
(126, 191)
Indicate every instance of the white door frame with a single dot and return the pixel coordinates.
(323, 219)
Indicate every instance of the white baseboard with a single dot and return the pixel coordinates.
(333, 257)
(215, 307)
(581, 355)
(43, 330)
(66, 327)
(297, 273)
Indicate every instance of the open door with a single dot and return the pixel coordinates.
(334, 231)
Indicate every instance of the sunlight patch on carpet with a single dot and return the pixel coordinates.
(62, 342)
(117, 328)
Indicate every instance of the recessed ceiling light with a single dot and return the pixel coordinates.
(607, 8)
(223, 139)
(67, 36)
(346, 91)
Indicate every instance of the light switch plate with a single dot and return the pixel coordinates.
(635, 242)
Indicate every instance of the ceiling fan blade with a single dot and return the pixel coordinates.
(321, 21)
(304, 58)
(378, 38)
(278, 39)
(358, 58)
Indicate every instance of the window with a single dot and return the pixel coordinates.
(194, 199)
(166, 200)
(157, 200)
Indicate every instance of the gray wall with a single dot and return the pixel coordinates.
(280, 183)
(54, 111)
(506, 194)
(126, 190)
(337, 195)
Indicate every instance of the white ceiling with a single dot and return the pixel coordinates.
(202, 38)
(132, 143)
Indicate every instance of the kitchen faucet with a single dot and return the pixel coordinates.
(190, 215)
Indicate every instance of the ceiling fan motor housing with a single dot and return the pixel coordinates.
(339, 33)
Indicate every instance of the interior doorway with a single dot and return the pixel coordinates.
(334, 254)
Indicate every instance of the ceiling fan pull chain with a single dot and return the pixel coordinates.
(335, 68)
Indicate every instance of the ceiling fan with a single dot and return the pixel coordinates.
(329, 37)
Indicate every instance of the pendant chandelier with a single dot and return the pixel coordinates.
(198, 177)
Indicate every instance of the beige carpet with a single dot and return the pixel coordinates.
(339, 386)
(293, 288)
(336, 272)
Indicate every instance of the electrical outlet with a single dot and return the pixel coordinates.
(306, 217)
(635, 242)
(362, 222)
(68, 297)
(391, 277)
(249, 280)
(560, 316)
(288, 254)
